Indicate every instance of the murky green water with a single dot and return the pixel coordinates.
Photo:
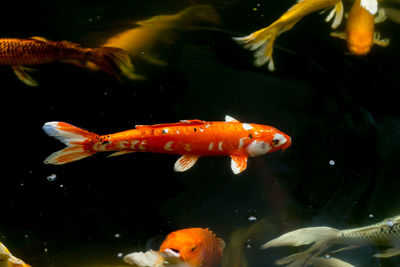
(342, 113)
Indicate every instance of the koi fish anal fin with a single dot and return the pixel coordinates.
(119, 153)
(22, 74)
(185, 162)
(238, 164)
(391, 252)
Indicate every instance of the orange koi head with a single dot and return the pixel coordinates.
(196, 247)
(267, 139)
(359, 42)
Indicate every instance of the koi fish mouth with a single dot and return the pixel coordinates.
(169, 254)
(287, 144)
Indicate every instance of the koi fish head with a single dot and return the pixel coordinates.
(196, 247)
(268, 140)
(360, 43)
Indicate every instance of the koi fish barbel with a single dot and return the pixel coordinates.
(190, 138)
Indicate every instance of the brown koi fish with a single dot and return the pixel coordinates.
(385, 233)
(19, 53)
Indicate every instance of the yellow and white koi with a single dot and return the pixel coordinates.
(262, 41)
(384, 233)
(8, 260)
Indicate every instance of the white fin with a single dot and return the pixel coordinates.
(119, 153)
(336, 14)
(303, 236)
(230, 119)
(185, 162)
(388, 253)
(330, 262)
(370, 5)
(238, 164)
(149, 259)
(381, 42)
(71, 136)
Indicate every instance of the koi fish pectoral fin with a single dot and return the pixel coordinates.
(381, 42)
(22, 74)
(388, 253)
(341, 35)
(238, 164)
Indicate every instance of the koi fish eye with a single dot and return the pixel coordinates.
(193, 248)
(257, 148)
(278, 140)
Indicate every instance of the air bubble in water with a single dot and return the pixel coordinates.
(331, 162)
(252, 218)
(117, 235)
(371, 215)
(119, 255)
(52, 177)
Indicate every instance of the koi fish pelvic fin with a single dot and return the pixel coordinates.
(22, 74)
(75, 138)
(238, 164)
(185, 162)
(391, 252)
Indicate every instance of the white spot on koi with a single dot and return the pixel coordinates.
(165, 131)
(177, 132)
(220, 146)
(201, 130)
(141, 146)
(247, 126)
(133, 144)
(123, 144)
(210, 146)
(168, 146)
(241, 142)
(207, 126)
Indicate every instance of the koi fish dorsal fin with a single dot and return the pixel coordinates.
(370, 5)
(230, 119)
(38, 38)
(185, 162)
(181, 123)
(238, 164)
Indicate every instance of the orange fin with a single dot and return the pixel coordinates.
(238, 164)
(123, 152)
(38, 38)
(73, 137)
(22, 74)
(185, 162)
(181, 123)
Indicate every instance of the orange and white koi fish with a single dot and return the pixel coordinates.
(192, 247)
(189, 138)
(141, 41)
(360, 31)
(262, 41)
(8, 260)
(19, 53)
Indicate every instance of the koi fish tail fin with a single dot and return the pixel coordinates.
(114, 61)
(320, 236)
(262, 42)
(336, 15)
(78, 141)
(199, 13)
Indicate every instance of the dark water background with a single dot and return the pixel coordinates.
(334, 106)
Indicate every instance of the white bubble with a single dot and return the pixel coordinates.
(327, 256)
(46, 250)
(117, 235)
(26, 236)
(52, 177)
(331, 162)
(252, 218)
(61, 185)
(371, 215)
(120, 255)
